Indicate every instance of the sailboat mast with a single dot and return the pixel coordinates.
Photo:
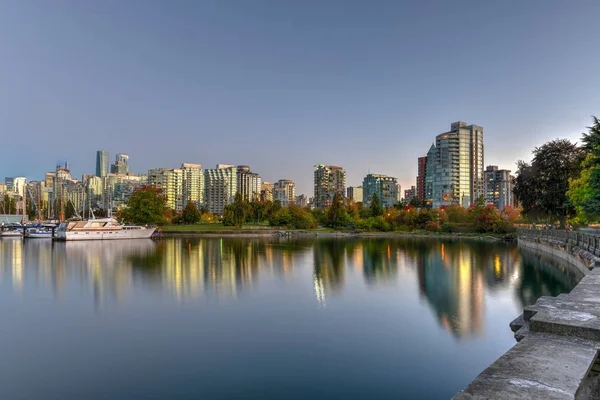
(62, 211)
(39, 195)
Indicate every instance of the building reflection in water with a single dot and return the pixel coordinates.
(453, 276)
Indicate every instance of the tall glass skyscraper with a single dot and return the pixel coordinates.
(458, 171)
(102, 163)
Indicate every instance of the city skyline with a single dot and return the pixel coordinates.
(283, 87)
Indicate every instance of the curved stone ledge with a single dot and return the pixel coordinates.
(580, 262)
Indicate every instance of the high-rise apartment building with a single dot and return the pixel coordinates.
(329, 181)
(248, 183)
(124, 158)
(498, 187)
(170, 182)
(193, 184)
(94, 192)
(117, 188)
(302, 200)
(458, 175)
(16, 185)
(220, 187)
(429, 174)
(101, 163)
(284, 190)
(409, 194)
(421, 172)
(121, 165)
(386, 188)
(355, 193)
(266, 191)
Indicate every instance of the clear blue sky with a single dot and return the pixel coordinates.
(283, 85)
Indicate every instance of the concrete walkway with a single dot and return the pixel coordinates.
(556, 356)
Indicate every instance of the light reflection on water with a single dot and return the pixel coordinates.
(389, 282)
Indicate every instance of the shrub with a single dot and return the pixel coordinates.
(364, 224)
(448, 227)
(432, 226)
(381, 224)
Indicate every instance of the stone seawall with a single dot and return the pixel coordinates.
(577, 264)
(558, 338)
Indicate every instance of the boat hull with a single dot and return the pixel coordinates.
(11, 235)
(37, 235)
(143, 233)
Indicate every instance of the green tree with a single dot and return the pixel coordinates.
(400, 205)
(258, 210)
(584, 191)
(363, 212)
(274, 207)
(228, 217)
(415, 202)
(191, 214)
(352, 208)
(480, 201)
(376, 208)
(281, 217)
(146, 205)
(301, 218)
(337, 216)
(239, 208)
(542, 186)
(591, 139)
(207, 218)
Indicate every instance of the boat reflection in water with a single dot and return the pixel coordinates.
(453, 277)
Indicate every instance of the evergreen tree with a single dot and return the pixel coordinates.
(591, 139)
(337, 216)
(376, 207)
(191, 214)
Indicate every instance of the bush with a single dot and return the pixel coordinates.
(448, 227)
(364, 224)
(380, 224)
(281, 217)
(302, 218)
(502, 226)
(423, 218)
(432, 226)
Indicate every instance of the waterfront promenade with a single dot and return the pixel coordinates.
(556, 356)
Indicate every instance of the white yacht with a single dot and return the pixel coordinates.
(101, 229)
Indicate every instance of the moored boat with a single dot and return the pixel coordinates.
(38, 233)
(101, 229)
(10, 233)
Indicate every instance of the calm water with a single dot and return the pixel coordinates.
(229, 318)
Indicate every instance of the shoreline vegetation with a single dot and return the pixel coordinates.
(262, 231)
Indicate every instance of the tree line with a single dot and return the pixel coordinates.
(562, 182)
(147, 205)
